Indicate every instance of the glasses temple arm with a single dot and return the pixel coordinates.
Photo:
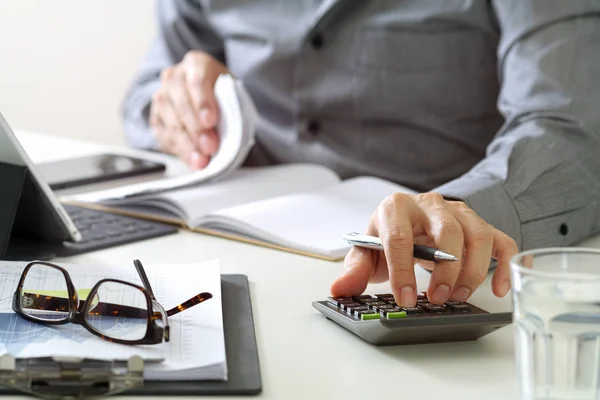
(197, 299)
(142, 273)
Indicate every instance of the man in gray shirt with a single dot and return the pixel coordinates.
(489, 108)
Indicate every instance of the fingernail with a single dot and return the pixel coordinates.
(504, 287)
(207, 145)
(407, 297)
(461, 294)
(440, 295)
(194, 159)
(205, 116)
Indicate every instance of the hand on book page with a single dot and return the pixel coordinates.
(236, 130)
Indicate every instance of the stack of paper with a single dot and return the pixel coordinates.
(196, 350)
(236, 129)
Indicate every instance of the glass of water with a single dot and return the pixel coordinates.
(556, 298)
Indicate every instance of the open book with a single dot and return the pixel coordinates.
(302, 208)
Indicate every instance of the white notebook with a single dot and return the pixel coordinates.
(299, 207)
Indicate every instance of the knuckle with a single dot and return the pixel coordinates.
(462, 207)
(158, 97)
(194, 56)
(166, 74)
(450, 228)
(431, 198)
(481, 234)
(393, 201)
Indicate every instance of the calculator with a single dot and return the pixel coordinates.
(378, 319)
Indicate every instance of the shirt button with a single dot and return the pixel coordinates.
(317, 41)
(313, 127)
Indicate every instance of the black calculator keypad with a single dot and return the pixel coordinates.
(384, 306)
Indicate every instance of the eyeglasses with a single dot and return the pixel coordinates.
(115, 310)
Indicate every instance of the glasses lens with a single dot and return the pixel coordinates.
(44, 295)
(119, 311)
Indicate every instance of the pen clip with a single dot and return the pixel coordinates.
(357, 239)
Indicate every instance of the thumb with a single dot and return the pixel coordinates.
(360, 266)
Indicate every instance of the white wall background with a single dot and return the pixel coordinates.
(65, 64)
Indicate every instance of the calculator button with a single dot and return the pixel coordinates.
(385, 311)
(421, 295)
(376, 304)
(350, 306)
(358, 311)
(453, 302)
(413, 310)
(372, 315)
(459, 307)
(422, 300)
(393, 303)
(372, 300)
(433, 308)
(338, 301)
(362, 297)
(396, 315)
(385, 296)
(385, 307)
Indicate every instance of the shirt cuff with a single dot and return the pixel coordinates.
(488, 198)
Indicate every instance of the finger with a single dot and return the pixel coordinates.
(447, 234)
(184, 149)
(479, 242)
(396, 232)
(182, 104)
(505, 248)
(201, 73)
(362, 266)
(164, 111)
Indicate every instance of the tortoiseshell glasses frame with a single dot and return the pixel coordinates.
(78, 310)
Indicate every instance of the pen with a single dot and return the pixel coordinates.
(420, 251)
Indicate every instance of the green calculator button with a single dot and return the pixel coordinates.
(399, 314)
(371, 316)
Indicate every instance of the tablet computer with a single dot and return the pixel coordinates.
(40, 213)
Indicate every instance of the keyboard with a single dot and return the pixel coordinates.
(378, 320)
(102, 230)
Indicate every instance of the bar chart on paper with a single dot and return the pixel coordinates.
(196, 349)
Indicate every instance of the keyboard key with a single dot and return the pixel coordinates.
(459, 307)
(413, 310)
(434, 308)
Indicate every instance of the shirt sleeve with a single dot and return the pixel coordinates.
(181, 27)
(540, 179)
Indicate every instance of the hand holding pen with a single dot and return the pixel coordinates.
(463, 241)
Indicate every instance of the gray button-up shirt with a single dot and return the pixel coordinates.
(496, 103)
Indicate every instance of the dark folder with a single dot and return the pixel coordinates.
(244, 376)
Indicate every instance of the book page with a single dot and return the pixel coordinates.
(249, 185)
(313, 222)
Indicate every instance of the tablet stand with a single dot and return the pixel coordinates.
(13, 179)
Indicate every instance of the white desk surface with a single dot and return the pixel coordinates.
(303, 355)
